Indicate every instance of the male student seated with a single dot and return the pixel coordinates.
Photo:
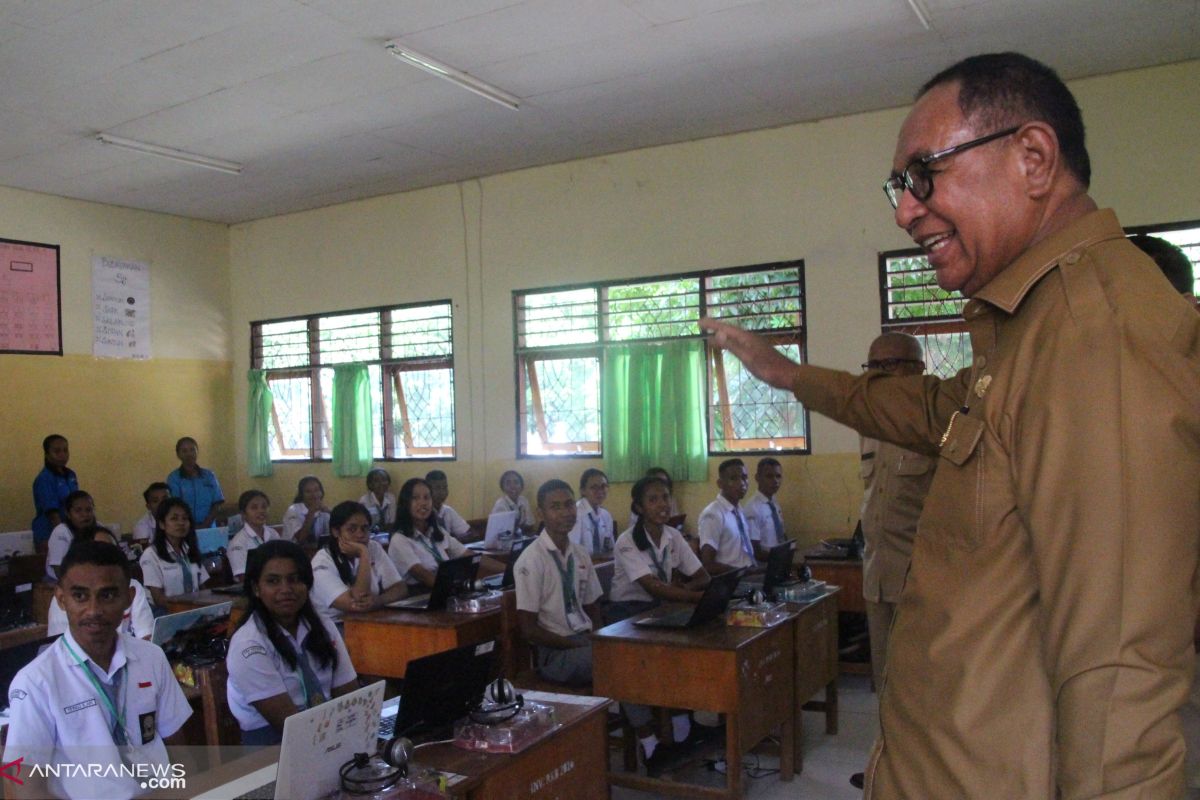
(448, 519)
(762, 510)
(557, 591)
(94, 696)
(725, 542)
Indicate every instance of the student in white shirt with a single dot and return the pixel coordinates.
(352, 572)
(307, 518)
(725, 542)
(143, 529)
(512, 485)
(448, 519)
(762, 510)
(682, 527)
(557, 592)
(653, 564)
(379, 502)
(94, 696)
(171, 565)
(594, 528)
(419, 544)
(79, 522)
(138, 620)
(283, 657)
(253, 505)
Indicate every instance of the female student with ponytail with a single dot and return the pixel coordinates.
(283, 657)
(171, 565)
(352, 572)
(419, 544)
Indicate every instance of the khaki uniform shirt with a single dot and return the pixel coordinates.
(1043, 641)
(895, 482)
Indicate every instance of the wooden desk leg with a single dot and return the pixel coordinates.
(831, 707)
(787, 750)
(733, 755)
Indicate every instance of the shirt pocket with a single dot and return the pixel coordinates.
(913, 464)
(953, 510)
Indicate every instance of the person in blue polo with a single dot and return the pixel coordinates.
(196, 485)
(50, 489)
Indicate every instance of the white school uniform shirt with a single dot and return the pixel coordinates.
(382, 514)
(138, 621)
(56, 549)
(588, 519)
(293, 520)
(406, 552)
(632, 564)
(57, 717)
(539, 585)
(243, 542)
(168, 575)
(143, 529)
(719, 529)
(451, 521)
(328, 585)
(257, 670)
(762, 526)
(521, 506)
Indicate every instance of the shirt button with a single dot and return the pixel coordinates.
(981, 361)
(1072, 258)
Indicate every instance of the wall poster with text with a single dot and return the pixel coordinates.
(120, 308)
(30, 307)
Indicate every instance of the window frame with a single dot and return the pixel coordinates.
(388, 366)
(521, 355)
(922, 327)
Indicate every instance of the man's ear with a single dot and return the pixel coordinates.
(1038, 156)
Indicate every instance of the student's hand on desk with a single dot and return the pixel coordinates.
(758, 354)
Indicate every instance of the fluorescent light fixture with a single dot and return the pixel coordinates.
(220, 165)
(921, 13)
(435, 67)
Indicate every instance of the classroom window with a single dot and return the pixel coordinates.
(912, 302)
(1185, 235)
(562, 335)
(410, 363)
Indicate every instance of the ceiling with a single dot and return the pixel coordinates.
(303, 94)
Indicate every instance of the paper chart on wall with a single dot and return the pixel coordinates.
(29, 307)
(120, 308)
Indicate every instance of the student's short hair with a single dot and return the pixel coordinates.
(184, 440)
(49, 440)
(996, 90)
(377, 471)
(102, 529)
(552, 485)
(588, 474)
(245, 497)
(436, 475)
(768, 461)
(157, 486)
(89, 551)
(74, 497)
(508, 472)
(1170, 259)
(728, 463)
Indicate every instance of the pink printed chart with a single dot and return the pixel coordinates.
(30, 318)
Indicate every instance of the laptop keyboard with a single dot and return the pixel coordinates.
(679, 618)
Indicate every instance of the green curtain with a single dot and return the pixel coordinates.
(654, 396)
(352, 420)
(258, 417)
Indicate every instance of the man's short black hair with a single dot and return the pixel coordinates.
(89, 551)
(1170, 259)
(767, 461)
(435, 475)
(157, 486)
(552, 485)
(729, 462)
(997, 90)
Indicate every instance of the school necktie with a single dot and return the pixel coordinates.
(595, 534)
(119, 736)
(185, 567)
(777, 521)
(746, 546)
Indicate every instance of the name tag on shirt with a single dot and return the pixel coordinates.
(80, 706)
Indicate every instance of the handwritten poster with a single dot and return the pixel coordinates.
(29, 306)
(120, 308)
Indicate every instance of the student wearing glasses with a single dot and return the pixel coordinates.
(352, 572)
(94, 696)
(594, 527)
(284, 656)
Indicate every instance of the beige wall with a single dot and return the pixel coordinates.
(121, 417)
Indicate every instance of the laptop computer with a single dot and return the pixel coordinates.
(16, 605)
(14, 659)
(454, 576)
(439, 690)
(506, 580)
(501, 527)
(778, 571)
(711, 605)
(169, 626)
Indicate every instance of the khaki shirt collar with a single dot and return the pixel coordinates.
(1008, 289)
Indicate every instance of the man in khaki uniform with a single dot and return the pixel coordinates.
(1042, 643)
(895, 482)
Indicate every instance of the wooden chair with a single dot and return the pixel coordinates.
(220, 726)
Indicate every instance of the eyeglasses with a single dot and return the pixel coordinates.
(890, 364)
(917, 177)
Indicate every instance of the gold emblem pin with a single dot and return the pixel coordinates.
(981, 385)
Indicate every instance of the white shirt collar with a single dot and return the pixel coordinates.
(119, 659)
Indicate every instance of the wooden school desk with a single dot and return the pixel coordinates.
(816, 660)
(745, 673)
(382, 642)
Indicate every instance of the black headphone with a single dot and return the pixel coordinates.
(756, 597)
(397, 752)
(500, 703)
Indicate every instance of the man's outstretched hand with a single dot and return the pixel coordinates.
(760, 357)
